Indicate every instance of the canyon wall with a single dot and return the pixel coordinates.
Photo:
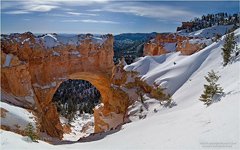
(34, 66)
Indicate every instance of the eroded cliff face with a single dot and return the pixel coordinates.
(170, 42)
(33, 68)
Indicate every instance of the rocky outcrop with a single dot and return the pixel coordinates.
(186, 25)
(170, 42)
(33, 68)
(187, 48)
(162, 44)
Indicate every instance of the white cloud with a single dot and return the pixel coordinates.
(91, 21)
(144, 9)
(40, 8)
(28, 6)
(79, 14)
(16, 12)
(24, 7)
(99, 21)
(159, 12)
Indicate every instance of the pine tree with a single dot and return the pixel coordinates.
(164, 98)
(29, 130)
(159, 93)
(211, 89)
(228, 48)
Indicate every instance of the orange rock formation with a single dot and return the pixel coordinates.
(32, 72)
(158, 46)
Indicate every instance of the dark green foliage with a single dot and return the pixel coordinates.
(210, 20)
(211, 89)
(216, 38)
(76, 95)
(228, 48)
(130, 45)
(29, 131)
(159, 94)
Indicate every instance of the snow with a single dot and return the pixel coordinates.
(99, 106)
(140, 110)
(170, 47)
(161, 70)
(201, 41)
(25, 40)
(98, 40)
(68, 39)
(18, 142)
(188, 125)
(56, 53)
(16, 116)
(53, 40)
(208, 32)
(77, 53)
(50, 41)
(8, 60)
(81, 126)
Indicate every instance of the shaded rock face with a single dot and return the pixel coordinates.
(169, 42)
(186, 48)
(33, 68)
(186, 25)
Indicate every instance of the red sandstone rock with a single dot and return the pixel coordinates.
(157, 46)
(36, 70)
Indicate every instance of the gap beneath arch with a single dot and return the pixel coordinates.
(75, 101)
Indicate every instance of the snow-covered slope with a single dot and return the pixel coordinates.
(172, 70)
(15, 117)
(188, 125)
(207, 32)
(81, 126)
(52, 40)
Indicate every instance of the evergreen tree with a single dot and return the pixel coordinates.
(228, 48)
(211, 89)
(164, 98)
(29, 130)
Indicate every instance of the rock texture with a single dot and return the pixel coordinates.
(185, 25)
(169, 42)
(186, 48)
(33, 68)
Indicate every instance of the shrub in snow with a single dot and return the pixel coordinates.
(228, 48)
(212, 89)
(140, 93)
(29, 131)
(159, 94)
(170, 104)
(138, 83)
(217, 37)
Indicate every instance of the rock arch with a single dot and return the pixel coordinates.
(103, 115)
(35, 71)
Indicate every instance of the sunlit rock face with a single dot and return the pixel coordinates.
(170, 42)
(34, 66)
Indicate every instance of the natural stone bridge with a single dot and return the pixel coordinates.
(33, 68)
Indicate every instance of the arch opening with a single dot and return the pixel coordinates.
(75, 101)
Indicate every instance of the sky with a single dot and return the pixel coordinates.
(104, 16)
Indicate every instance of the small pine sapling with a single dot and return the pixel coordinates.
(29, 130)
(211, 89)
